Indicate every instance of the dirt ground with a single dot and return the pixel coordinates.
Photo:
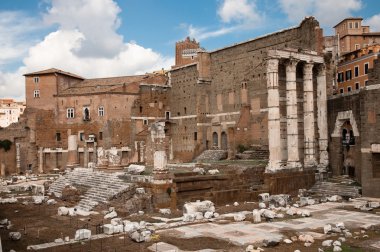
(41, 224)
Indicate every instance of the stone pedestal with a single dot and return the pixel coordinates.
(72, 154)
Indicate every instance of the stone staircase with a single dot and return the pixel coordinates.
(101, 186)
(340, 185)
(212, 155)
(256, 154)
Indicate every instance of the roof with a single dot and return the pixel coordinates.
(53, 71)
(122, 84)
(349, 18)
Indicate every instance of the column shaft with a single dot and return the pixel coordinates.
(308, 118)
(322, 118)
(273, 116)
(292, 115)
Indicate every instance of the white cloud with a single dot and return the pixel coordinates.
(373, 22)
(14, 40)
(241, 11)
(327, 12)
(86, 43)
(236, 14)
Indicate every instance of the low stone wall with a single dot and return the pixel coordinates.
(289, 182)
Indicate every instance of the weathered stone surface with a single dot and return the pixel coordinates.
(140, 190)
(239, 217)
(337, 243)
(110, 215)
(327, 229)
(268, 214)
(188, 217)
(199, 170)
(208, 215)
(15, 236)
(256, 216)
(262, 205)
(51, 202)
(327, 243)
(264, 197)
(130, 226)
(136, 169)
(108, 229)
(165, 211)
(213, 172)
(63, 211)
(288, 241)
(82, 234)
(337, 249)
(199, 215)
(306, 238)
(199, 206)
(271, 241)
(116, 221)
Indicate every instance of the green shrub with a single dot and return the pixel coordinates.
(5, 144)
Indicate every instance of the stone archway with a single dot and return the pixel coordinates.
(224, 142)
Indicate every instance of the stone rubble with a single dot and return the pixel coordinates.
(15, 236)
(82, 234)
(135, 169)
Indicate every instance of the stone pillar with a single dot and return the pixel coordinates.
(274, 138)
(160, 169)
(308, 116)
(94, 153)
(322, 118)
(18, 162)
(85, 156)
(292, 115)
(72, 155)
(2, 169)
(41, 160)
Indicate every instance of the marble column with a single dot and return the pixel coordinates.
(292, 115)
(18, 158)
(72, 155)
(308, 116)
(322, 118)
(85, 156)
(274, 134)
(94, 154)
(41, 160)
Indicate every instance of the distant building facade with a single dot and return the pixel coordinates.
(10, 111)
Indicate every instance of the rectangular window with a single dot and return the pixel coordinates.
(167, 115)
(145, 121)
(356, 25)
(36, 94)
(366, 66)
(341, 91)
(356, 71)
(195, 136)
(348, 75)
(366, 83)
(86, 114)
(101, 111)
(340, 77)
(349, 89)
(100, 135)
(58, 136)
(70, 113)
(357, 85)
(36, 79)
(81, 136)
(350, 25)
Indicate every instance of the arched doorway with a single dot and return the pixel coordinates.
(348, 140)
(215, 140)
(224, 141)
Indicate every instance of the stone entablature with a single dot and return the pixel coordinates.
(286, 154)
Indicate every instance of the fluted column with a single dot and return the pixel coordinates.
(274, 133)
(292, 115)
(308, 116)
(322, 118)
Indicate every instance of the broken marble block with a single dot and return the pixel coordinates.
(82, 234)
(15, 236)
(199, 206)
(136, 169)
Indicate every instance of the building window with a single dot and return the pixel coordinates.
(185, 110)
(366, 83)
(356, 25)
(70, 113)
(100, 135)
(350, 25)
(340, 77)
(167, 115)
(36, 93)
(86, 114)
(101, 111)
(145, 121)
(36, 79)
(81, 136)
(366, 66)
(341, 91)
(58, 136)
(357, 86)
(349, 89)
(356, 71)
(195, 136)
(348, 75)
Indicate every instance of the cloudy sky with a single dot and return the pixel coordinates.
(98, 38)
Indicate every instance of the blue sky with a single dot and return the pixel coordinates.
(97, 38)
